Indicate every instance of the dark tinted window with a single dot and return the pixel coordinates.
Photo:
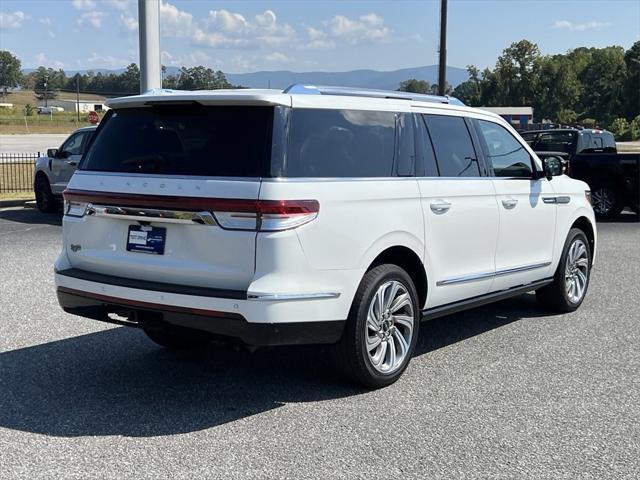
(73, 145)
(555, 142)
(596, 142)
(340, 143)
(184, 140)
(453, 146)
(506, 154)
(529, 137)
(427, 166)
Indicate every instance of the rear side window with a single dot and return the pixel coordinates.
(340, 143)
(452, 142)
(184, 140)
(506, 154)
(556, 142)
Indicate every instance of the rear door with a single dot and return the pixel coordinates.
(527, 206)
(459, 209)
(170, 193)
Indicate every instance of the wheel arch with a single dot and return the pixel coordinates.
(584, 224)
(407, 259)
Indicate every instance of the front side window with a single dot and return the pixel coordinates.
(73, 145)
(452, 143)
(340, 143)
(507, 155)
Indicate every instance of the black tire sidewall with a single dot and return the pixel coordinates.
(382, 274)
(45, 201)
(574, 233)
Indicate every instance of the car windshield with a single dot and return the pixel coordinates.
(184, 140)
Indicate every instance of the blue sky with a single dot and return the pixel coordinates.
(242, 36)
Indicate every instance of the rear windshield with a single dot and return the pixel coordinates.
(232, 141)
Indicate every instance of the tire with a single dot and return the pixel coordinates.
(378, 368)
(607, 203)
(560, 296)
(176, 338)
(45, 200)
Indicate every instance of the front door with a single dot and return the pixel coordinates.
(66, 161)
(524, 249)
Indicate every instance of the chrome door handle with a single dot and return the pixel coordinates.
(509, 203)
(440, 206)
(73, 163)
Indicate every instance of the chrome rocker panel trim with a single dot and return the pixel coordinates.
(485, 275)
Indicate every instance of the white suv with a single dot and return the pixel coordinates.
(314, 215)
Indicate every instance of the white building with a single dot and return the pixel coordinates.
(85, 106)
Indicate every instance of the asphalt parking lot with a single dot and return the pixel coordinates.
(504, 391)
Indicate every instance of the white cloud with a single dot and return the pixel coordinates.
(91, 18)
(119, 4)
(579, 27)
(278, 58)
(42, 60)
(107, 61)
(368, 27)
(223, 28)
(196, 57)
(129, 23)
(12, 20)
(341, 29)
(84, 4)
(175, 22)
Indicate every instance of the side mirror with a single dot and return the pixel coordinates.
(52, 152)
(553, 166)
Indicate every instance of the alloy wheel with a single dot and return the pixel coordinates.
(576, 271)
(390, 326)
(603, 200)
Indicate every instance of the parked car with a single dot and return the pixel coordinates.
(592, 157)
(48, 110)
(52, 173)
(314, 215)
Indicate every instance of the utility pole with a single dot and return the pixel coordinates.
(46, 91)
(149, 40)
(78, 95)
(442, 66)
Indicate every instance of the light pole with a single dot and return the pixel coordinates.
(149, 40)
(442, 66)
(46, 94)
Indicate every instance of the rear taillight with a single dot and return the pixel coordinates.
(74, 209)
(265, 215)
(230, 214)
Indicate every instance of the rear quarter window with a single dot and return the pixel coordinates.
(340, 143)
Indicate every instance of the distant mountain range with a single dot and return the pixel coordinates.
(386, 80)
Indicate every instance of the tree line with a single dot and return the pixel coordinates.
(586, 86)
(48, 81)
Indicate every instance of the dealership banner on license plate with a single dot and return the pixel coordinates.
(145, 239)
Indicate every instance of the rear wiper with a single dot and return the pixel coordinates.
(144, 162)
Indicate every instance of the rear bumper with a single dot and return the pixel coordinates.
(225, 324)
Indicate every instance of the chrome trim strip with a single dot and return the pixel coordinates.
(465, 278)
(271, 297)
(486, 275)
(151, 215)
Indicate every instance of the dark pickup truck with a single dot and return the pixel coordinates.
(591, 156)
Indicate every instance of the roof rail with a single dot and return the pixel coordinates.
(368, 92)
